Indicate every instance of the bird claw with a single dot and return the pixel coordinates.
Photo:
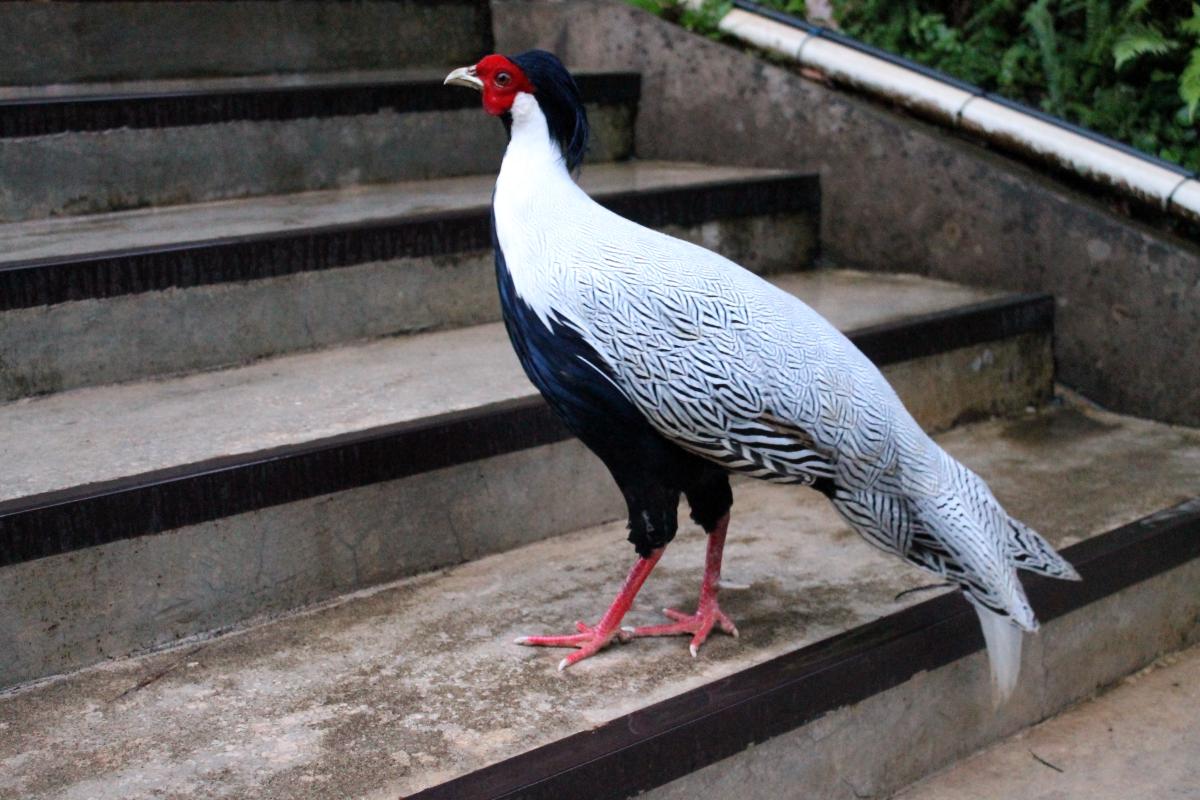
(699, 625)
(589, 641)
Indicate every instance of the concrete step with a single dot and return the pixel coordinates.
(1139, 740)
(47, 43)
(87, 149)
(115, 297)
(185, 505)
(841, 682)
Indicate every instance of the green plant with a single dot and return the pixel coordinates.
(1148, 40)
(1126, 68)
(702, 19)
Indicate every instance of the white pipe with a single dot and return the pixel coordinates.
(1085, 156)
(980, 116)
(764, 33)
(1186, 200)
(879, 77)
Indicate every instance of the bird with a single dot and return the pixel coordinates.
(679, 368)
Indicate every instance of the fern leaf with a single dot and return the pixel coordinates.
(1192, 24)
(1132, 11)
(1097, 25)
(1041, 22)
(1189, 85)
(1139, 40)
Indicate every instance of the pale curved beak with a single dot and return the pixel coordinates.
(464, 76)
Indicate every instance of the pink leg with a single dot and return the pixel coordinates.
(708, 613)
(590, 640)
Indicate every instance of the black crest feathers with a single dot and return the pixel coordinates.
(560, 102)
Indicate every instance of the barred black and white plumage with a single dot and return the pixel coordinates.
(663, 356)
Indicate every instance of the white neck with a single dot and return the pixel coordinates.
(532, 156)
(536, 204)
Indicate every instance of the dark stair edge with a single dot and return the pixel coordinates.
(47, 281)
(67, 520)
(45, 116)
(668, 740)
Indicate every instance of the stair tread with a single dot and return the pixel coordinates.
(1139, 740)
(220, 83)
(97, 434)
(71, 237)
(399, 688)
(164, 103)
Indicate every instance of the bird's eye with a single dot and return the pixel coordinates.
(503, 79)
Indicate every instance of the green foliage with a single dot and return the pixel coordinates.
(1189, 79)
(702, 19)
(1126, 68)
(797, 8)
(1140, 40)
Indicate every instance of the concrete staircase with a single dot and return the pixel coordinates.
(1138, 740)
(250, 365)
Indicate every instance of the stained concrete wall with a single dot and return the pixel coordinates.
(901, 195)
(160, 39)
(124, 168)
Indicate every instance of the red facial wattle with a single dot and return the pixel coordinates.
(502, 82)
(498, 78)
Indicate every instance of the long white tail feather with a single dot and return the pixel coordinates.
(1003, 640)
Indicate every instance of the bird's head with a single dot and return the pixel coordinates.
(533, 82)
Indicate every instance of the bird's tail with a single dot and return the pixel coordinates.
(1029, 551)
(964, 535)
(1003, 639)
(1025, 549)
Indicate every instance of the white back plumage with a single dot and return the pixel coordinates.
(738, 371)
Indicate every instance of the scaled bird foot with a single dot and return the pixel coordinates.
(590, 640)
(698, 624)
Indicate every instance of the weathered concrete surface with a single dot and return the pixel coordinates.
(875, 747)
(1142, 739)
(972, 383)
(402, 687)
(81, 41)
(71, 610)
(102, 433)
(89, 342)
(132, 337)
(241, 81)
(280, 558)
(259, 216)
(92, 435)
(901, 195)
(123, 168)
